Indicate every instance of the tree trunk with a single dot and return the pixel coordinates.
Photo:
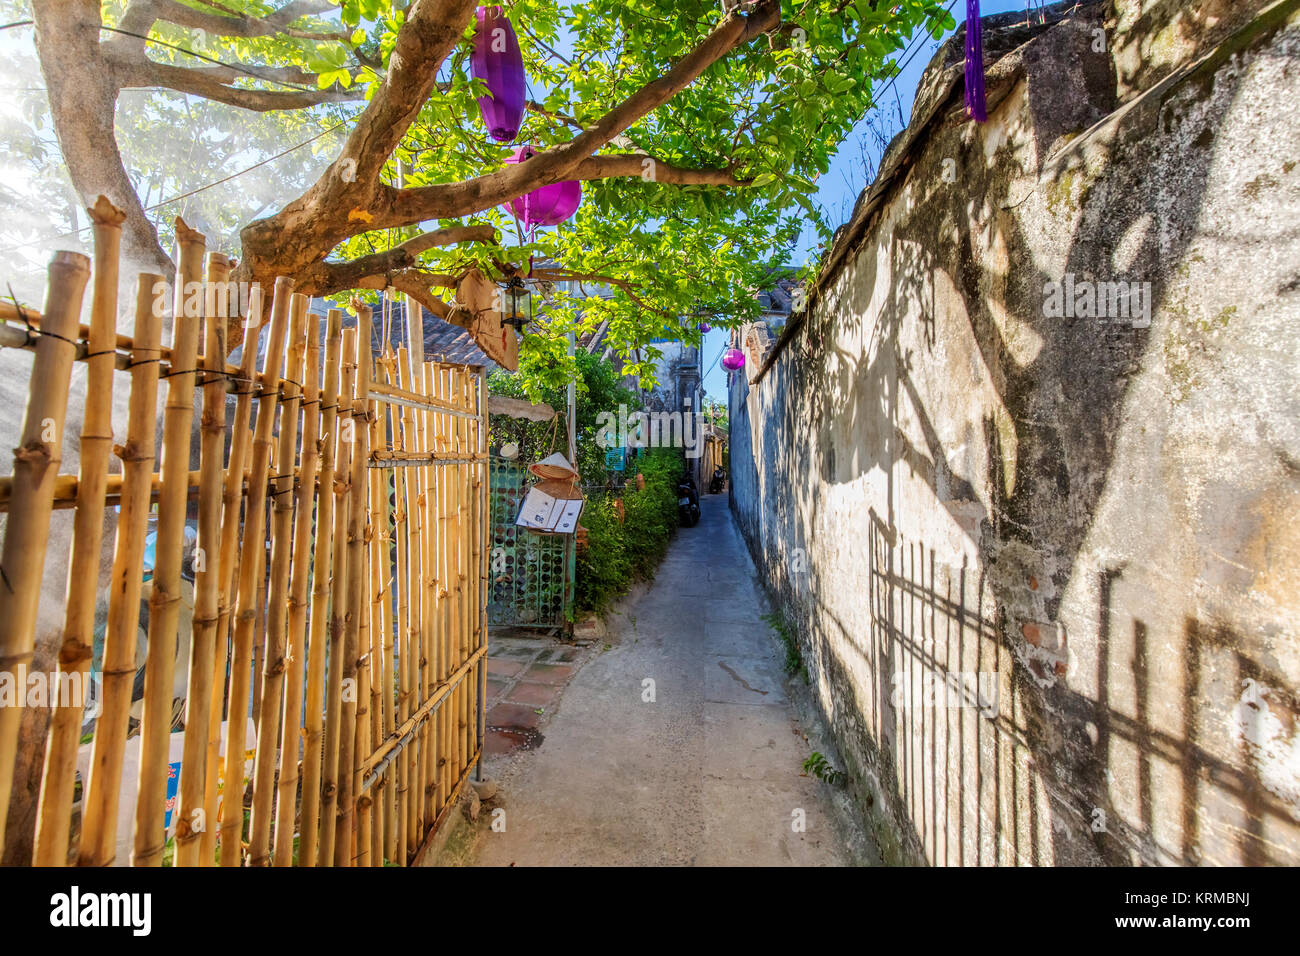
(82, 86)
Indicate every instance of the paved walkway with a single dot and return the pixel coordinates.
(700, 767)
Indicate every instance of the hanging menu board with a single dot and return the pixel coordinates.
(543, 512)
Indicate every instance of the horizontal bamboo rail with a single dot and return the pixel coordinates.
(365, 620)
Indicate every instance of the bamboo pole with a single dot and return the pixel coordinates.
(191, 819)
(232, 497)
(338, 603)
(406, 658)
(443, 620)
(408, 607)
(315, 705)
(380, 685)
(100, 795)
(54, 811)
(349, 768)
(427, 478)
(296, 652)
(36, 463)
(169, 543)
(250, 578)
(481, 521)
(433, 540)
(278, 598)
(390, 642)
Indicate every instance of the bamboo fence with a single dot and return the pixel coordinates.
(340, 510)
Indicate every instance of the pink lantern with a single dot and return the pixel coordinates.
(733, 359)
(549, 205)
(496, 61)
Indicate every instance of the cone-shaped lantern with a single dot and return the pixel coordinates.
(496, 61)
(549, 205)
(733, 359)
(975, 105)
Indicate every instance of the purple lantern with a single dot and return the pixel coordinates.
(704, 327)
(548, 205)
(975, 103)
(496, 61)
(733, 359)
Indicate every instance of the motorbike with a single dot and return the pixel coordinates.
(717, 481)
(688, 502)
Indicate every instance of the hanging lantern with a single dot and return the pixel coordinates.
(733, 359)
(517, 302)
(975, 104)
(496, 61)
(704, 327)
(549, 205)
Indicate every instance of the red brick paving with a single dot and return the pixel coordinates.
(534, 694)
(513, 715)
(548, 673)
(503, 668)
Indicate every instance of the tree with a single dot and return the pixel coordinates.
(697, 132)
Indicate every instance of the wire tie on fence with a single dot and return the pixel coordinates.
(180, 371)
(133, 363)
(5, 578)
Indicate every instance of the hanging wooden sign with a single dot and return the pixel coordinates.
(476, 310)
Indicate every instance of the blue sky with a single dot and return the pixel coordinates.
(840, 186)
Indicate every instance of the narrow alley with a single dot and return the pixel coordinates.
(702, 767)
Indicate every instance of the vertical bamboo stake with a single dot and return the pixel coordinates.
(390, 641)
(55, 808)
(164, 600)
(207, 571)
(36, 465)
(231, 501)
(312, 756)
(444, 598)
(100, 796)
(381, 665)
(485, 539)
(338, 604)
(428, 521)
(291, 733)
(349, 772)
(273, 653)
(409, 606)
(250, 577)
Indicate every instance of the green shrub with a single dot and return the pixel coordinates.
(618, 553)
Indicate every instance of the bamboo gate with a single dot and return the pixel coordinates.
(339, 573)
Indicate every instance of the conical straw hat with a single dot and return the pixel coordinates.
(555, 466)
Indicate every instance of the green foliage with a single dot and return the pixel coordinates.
(619, 552)
(600, 388)
(790, 641)
(821, 768)
(772, 113)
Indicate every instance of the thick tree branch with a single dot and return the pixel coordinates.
(396, 207)
(653, 170)
(212, 83)
(141, 15)
(323, 278)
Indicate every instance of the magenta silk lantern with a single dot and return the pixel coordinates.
(549, 205)
(733, 359)
(496, 61)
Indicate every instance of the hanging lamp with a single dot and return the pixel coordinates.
(496, 61)
(975, 103)
(733, 359)
(547, 205)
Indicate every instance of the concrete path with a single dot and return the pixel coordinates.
(700, 767)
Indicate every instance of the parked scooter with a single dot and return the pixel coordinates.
(688, 502)
(717, 481)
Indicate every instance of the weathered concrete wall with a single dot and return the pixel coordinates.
(1085, 530)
